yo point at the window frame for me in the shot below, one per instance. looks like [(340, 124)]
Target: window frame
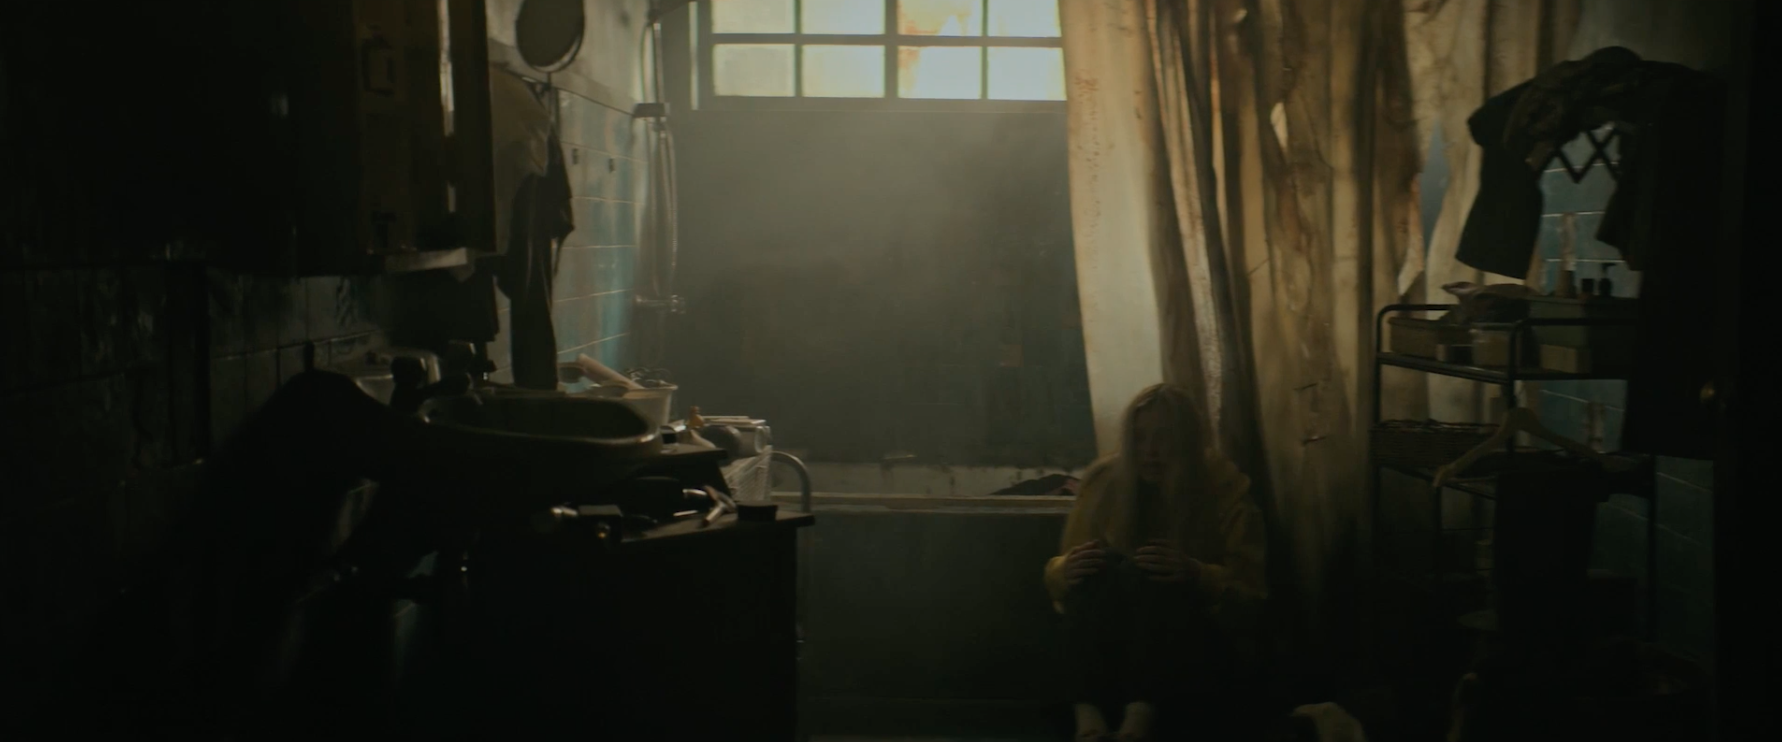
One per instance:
[(707, 99)]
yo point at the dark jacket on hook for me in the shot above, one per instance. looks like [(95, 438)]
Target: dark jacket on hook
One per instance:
[(1664, 216)]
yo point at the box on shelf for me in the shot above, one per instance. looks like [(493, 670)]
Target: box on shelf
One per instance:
[(1421, 337), (1491, 348), (1553, 307)]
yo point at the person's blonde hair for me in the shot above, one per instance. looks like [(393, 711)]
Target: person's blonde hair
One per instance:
[(1184, 470)]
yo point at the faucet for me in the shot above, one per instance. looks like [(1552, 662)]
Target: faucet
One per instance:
[(412, 389)]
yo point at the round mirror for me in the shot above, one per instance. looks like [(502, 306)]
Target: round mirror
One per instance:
[(548, 33)]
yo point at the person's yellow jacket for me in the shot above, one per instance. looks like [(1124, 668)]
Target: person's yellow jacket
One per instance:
[(1221, 528)]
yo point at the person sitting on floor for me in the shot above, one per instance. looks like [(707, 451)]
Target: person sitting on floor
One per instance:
[(1161, 570)]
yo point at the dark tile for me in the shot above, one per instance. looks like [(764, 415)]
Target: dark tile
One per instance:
[(18, 346), (1685, 563), (55, 311), (154, 503), (1619, 544), (261, 378), (349, 347), (1685, 508), (324, 298), (228, 321), (228, 397), (153, 442), (290, 363), (1686, 624)]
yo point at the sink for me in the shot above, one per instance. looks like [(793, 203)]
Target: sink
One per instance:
[(606, 423)]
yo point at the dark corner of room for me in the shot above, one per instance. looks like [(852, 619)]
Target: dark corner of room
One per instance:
[(884, 370)]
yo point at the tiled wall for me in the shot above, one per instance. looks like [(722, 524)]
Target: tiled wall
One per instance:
[(604, 154), (108, 331), (1586, 410)]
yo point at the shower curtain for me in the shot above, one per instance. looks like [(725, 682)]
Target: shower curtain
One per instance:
[(1244, 186)]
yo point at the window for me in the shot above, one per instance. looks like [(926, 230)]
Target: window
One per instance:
[(889, 53)]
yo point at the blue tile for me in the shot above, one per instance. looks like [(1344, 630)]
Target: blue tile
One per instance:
[(579, 235), (578, 273), (1549, 240), (621, 131), (1563, 415), (1624, 282), (624, 182), (614, 352), (1587, 247), (1614, 418), (1684, 563), (607, 229), (1685, 509), (591, 122), (624, 269), (615, 314), (572, 122), (1549, 279), (1697, 472), (1562, 196), (1686, 626), (624, 223), (1619, 542)]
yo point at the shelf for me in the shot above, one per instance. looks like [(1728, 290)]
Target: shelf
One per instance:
[(1489, 375), (1486, 489), (1634, 481)]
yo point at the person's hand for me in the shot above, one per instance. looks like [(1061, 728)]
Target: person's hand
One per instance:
[(1083, 561), (1162, 561)]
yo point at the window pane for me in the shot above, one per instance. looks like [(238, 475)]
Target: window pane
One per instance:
[(1026, 73), (948, 72), (752, 16), (844, 71), (752, 69), (1025, 18), (940, 17), (844, 16)]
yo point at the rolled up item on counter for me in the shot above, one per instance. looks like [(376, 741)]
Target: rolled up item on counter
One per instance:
[(603, 376)]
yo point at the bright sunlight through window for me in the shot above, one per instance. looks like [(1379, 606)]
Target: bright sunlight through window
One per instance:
[(935, 50)]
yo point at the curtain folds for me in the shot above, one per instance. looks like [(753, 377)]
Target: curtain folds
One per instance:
[(1244, 178)]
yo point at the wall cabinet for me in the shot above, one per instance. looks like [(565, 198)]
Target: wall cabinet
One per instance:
[(361, 133)]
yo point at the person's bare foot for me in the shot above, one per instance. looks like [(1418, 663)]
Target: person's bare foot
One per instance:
[(1136, 727), (1091, 727)]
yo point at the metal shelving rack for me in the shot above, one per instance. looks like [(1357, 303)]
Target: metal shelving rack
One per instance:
[(1506, 378)]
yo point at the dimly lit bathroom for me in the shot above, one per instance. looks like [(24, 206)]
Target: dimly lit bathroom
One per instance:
[(885, 370)]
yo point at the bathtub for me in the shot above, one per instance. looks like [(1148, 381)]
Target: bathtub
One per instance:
[(922, 602)]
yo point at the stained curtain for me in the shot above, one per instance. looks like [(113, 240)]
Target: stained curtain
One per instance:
[(1245, 198)]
